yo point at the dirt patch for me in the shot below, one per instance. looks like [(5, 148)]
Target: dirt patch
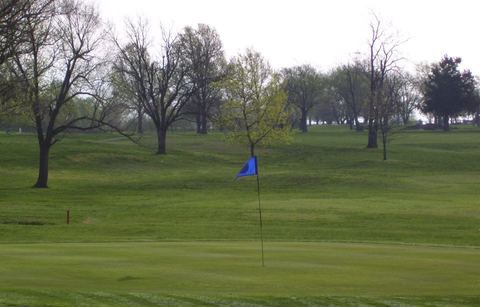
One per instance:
[(89, 221)]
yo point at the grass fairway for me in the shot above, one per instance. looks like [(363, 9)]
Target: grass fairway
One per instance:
[(341, 225)]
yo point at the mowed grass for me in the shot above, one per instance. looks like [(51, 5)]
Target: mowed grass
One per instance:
[(222, 273), (341, 225), (324, 186)]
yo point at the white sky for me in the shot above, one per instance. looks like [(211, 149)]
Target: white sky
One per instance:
[(321, 33)]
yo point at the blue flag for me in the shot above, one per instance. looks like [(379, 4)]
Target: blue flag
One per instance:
[(249, 169)]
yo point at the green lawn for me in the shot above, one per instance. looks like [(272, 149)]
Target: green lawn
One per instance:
[(341, 225), (230, 272)]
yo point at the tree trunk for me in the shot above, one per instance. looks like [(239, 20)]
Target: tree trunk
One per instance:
[(162, 141), (438, 121), (252, 150), (372, 117), (372, 134), (355, 118), (303, 121), (204, 123), (357, 123), (446, 123), (199, 123), (477, 117), (338, 120), (350, 122), (42, 180), (140, 121), (384, 143)]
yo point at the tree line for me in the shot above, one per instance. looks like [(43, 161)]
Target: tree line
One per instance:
[(62, 69)]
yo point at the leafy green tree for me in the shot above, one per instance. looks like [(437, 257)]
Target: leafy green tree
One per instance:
[(448, 92), (255, 110)]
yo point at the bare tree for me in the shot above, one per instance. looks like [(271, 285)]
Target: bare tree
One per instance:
[(13, 21), (388, 105), (126, 86), (60, 70), (202, 51), (409, 96), (382, 60), (15, 15), (161, 87)]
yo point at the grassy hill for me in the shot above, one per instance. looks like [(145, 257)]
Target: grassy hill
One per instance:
[(341, 225)]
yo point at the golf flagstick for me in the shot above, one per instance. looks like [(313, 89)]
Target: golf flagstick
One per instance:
[(250, 168), (260, 215)]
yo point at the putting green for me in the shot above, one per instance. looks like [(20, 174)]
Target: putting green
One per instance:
[(233, 268)]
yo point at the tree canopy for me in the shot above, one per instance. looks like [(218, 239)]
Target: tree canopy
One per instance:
[(448, 91), (255, 110), (304, 86)]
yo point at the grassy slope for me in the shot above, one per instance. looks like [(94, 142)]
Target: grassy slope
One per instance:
[(323, 187)]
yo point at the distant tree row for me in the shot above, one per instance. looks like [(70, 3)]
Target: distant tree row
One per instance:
[(62, 70), (379, 91)]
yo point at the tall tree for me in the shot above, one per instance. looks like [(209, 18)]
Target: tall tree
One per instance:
[(388, 105), (448, 92), (61, 66), (304, 86), (9, 90), (14, 18), (13, 22), (202, 51), (161, 85), (255, 111), (126, 89), (382, 60), (477, 113), (350, 82), (409, 96)]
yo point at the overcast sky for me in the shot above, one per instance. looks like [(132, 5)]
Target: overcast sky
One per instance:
[(321, 33)]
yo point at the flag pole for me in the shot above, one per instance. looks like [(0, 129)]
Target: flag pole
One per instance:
[(251, 169), (260, 215)]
